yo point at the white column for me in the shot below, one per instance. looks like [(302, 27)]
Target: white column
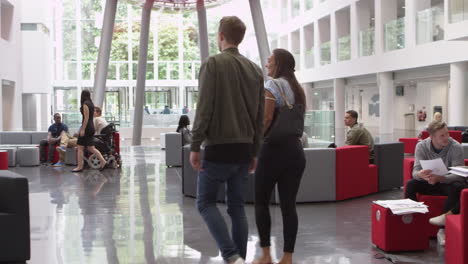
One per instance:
[(354, 31), (410, 23), (302, 50), (104, 52), (339, 97), (317, 43), (333, 38), (202, 30), (457, 94), (386, 90), (385, 11), (141, 73), (181, 60), (260, 33)]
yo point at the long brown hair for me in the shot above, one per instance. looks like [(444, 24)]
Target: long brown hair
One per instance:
[(285, 65)]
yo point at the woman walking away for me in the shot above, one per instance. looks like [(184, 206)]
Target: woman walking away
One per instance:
[(282, 161), (86, 133)]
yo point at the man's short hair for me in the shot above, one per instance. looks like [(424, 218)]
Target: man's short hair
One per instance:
[(435, 126), (233, 29), (98, 110), (353, 114), (57, 114)]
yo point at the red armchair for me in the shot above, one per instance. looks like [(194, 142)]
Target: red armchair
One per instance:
[(410, 144), (456, 234), (354, 175)]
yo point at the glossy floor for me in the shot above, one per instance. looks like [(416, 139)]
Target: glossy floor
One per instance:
[(138, 215)]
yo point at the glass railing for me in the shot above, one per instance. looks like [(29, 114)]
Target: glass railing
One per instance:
[(309, 4), (309, 58), (344, 48), (120, 70), (366, 42), (325, 53), (320, 128), (458, 11), (394, 34), (295, 8), (430, 25)]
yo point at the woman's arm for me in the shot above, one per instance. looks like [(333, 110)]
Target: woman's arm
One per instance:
[(270, 103), (85, 119)]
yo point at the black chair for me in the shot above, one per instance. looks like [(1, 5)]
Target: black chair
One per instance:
[(389, 160), (14, 218)]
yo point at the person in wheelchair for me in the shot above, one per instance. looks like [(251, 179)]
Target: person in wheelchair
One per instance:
[(104, 142)]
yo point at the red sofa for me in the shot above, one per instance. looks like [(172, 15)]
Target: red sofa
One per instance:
[(354, 175), (456, 234), (457, 135), (410, 143)]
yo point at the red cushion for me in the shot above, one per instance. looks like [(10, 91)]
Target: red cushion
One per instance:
[(424, 134), (398, 233), (436, 208), (56, 156), (354, 176), (466, 162), (117, 142), (3, 160), (408, 164), (456, 135), (409, 144)]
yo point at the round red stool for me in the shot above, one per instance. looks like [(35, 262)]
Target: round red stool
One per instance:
[(3, 160)]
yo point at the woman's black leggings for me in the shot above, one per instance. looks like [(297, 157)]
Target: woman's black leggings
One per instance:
[(281, 164)]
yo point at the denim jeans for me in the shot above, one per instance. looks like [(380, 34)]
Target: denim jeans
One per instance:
[(234, 176)]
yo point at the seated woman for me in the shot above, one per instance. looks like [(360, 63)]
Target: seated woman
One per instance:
[(184, 122)]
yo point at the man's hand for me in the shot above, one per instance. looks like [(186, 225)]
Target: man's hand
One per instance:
[(195, 160), (81, 133), (433, 179), (425, 174), (253, 165), (52, 141)]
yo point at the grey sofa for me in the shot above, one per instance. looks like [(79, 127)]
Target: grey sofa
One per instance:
[(173, 149), (14, 218), (465, 150), (389, 160), (318, 181), (22, 137)]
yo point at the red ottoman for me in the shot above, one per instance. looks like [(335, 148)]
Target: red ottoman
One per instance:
[(398, 232), (436, 207), (3, 160)]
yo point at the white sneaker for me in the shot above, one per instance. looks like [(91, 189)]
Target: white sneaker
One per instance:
[(239, 261), (438, 220), (441, 237)]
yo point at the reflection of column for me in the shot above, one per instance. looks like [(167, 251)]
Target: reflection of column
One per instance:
[(202, 30), (385, 84), (457, 94), (141, 73), (260, 33), (104, 52), (339, 90)]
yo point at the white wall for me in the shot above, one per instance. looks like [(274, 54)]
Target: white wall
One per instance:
[(10, 65), (430, 94), (353, 102)]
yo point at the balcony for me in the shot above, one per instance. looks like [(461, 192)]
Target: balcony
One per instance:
[(394, 34), (325, 53), (430, 25), (344, 48), (366, 42)]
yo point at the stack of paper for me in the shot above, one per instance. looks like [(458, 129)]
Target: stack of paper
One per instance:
[(460, 170), (403, 206)]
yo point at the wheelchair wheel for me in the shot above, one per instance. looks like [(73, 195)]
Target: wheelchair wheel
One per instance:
[(94, 162)]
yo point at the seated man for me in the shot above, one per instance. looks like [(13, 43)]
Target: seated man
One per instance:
[(53, 138), (438, 145), (99, 121), (358, 134)]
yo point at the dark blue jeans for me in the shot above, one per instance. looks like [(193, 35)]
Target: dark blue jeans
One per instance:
[(234, 177)]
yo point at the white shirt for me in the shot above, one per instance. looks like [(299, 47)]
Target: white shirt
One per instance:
[(99, 124)]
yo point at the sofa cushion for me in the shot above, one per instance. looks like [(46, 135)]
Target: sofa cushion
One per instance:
[(15, 137)]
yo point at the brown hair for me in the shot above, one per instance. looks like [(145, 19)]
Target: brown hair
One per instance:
[(435, 126), (233, 29), (98, 110), (285, 64), (353, 114)]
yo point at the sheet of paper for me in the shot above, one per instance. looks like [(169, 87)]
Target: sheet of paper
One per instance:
[(437, 166)]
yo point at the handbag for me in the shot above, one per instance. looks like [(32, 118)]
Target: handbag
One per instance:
[(288, 121)]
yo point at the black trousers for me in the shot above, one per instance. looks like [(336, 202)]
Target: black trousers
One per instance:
[(42, 146), (451, 190), (283, 165)]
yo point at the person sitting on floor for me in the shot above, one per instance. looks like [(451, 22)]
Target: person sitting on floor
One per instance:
[(358, 134), (438, 145)]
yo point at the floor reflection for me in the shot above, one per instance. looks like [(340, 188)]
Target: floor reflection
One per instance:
[(137, 214)]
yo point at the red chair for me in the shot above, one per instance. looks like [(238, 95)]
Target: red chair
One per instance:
[(456, 135), (3, 160), (456, 234), (354, 175), (56, 157), (117, 142), (410, 144), (408, 164)]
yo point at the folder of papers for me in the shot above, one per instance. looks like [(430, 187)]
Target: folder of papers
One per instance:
[(403, 206), (459, 170)]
